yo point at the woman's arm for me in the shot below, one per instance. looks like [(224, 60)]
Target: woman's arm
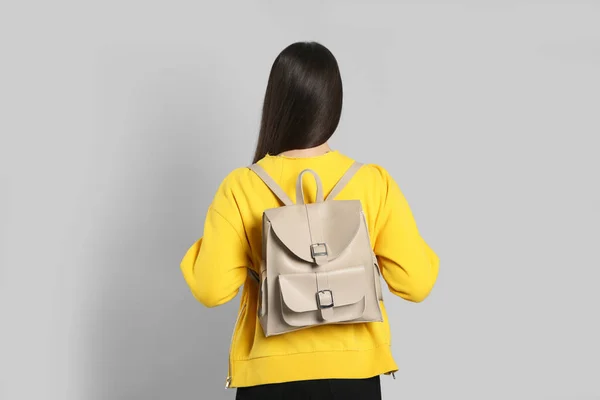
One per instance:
[(408, 264), (215, 267)]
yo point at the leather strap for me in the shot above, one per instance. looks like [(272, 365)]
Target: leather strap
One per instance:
[(319, 249), (275, 188), (325, 297), (341, 184), (378, 278), (300, 191)]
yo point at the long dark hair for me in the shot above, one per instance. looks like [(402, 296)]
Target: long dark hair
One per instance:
[(303, 100)]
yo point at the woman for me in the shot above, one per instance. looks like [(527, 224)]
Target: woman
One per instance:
[(302, 108)]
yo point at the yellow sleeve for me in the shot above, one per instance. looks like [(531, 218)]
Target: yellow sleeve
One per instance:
[(408, 265), (215, 267)]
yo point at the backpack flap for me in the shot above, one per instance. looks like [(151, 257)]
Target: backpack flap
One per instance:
[(331, 296), (316, 233)]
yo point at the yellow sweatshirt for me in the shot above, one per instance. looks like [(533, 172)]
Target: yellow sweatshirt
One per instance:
[(215, 268)]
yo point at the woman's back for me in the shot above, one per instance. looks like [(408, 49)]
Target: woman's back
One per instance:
[(217, 267)]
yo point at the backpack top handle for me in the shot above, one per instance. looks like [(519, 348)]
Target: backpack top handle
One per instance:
[(300, 190)]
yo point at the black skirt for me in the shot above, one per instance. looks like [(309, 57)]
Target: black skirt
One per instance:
[(323, 389)]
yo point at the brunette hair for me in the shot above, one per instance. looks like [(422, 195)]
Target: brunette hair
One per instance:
[(303, 100)]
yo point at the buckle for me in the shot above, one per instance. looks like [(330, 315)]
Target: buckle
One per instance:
[(318, 249), (323, 306)]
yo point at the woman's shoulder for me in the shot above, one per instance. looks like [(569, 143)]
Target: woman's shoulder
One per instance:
[(236, 179), (376, 170), (375, 173)]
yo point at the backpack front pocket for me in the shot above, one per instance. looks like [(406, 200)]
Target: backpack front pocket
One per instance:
[(323, 297)]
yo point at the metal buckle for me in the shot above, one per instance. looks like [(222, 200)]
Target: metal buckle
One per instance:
[(316, 252), (323, 306)]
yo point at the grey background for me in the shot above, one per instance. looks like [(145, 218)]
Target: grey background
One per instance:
[(119, 119)]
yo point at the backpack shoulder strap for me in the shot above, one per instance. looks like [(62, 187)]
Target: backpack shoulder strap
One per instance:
[(275, 188), (341, 184)]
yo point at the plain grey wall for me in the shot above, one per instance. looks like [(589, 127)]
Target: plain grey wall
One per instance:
[(119, 119)]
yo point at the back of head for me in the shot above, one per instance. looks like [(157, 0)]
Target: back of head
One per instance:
[(303, 100)]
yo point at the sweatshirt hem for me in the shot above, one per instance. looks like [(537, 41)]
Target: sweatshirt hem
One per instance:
[(309, 366)]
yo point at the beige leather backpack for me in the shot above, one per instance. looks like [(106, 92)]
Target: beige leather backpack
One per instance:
[(317, 266)]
